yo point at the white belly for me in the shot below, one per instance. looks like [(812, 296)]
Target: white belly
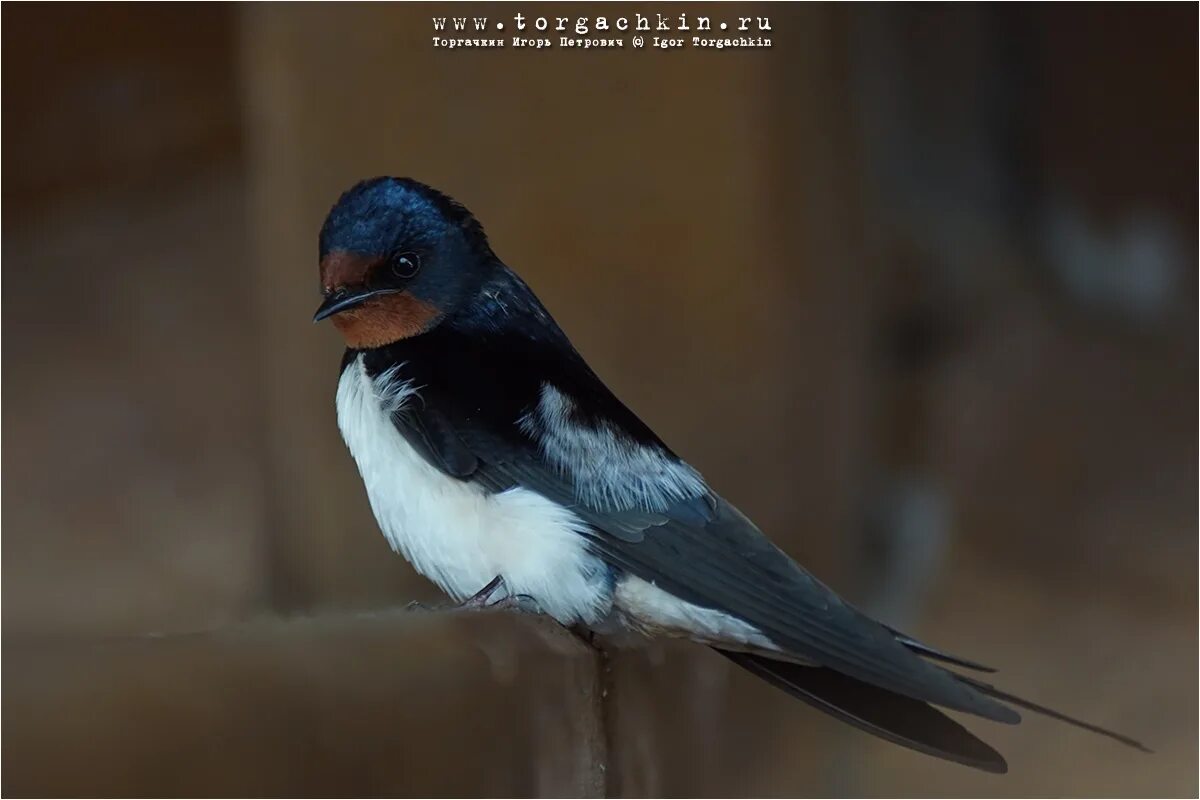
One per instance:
[(461, 537), (453, 532)]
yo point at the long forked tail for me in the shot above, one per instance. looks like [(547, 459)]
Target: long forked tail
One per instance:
[(922, 649), (897, 718), (907, 722), (992, 691)]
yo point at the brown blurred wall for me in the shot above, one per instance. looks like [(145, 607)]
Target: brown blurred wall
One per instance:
[(712, 232)]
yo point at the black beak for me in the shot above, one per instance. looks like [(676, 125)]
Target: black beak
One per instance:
[(339, 301)]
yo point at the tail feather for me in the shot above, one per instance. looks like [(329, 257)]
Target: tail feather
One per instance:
[(899, 719), (920, 648), (993, 692)]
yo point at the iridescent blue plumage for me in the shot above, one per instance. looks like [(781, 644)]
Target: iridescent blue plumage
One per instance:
[(383, 215)]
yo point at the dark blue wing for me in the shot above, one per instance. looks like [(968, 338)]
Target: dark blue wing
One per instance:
[(698, 548)]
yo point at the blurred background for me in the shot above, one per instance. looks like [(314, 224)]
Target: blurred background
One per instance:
[(915, 288)]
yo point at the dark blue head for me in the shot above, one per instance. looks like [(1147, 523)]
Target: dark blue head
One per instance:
[(396, 257)]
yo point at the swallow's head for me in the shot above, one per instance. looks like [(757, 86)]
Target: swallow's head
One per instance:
[(396, 258)]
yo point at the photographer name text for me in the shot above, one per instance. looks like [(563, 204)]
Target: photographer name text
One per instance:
[(655, 31)]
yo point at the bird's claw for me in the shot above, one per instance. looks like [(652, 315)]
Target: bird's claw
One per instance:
[(482, 601), (521, 603), (482, 598)]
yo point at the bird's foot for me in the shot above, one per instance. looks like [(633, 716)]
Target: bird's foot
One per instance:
[(521, 603), (477, 602), (482, 599)]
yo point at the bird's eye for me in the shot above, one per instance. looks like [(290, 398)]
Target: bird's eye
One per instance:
[(406, 265)]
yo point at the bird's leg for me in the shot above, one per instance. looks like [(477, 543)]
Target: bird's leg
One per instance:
[(476, 602), (480, 599), (522, 603), (510, 602)]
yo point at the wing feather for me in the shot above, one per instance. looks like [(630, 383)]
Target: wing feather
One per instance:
[(709, 554)]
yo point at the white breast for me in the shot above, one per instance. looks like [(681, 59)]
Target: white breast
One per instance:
[(460, 537), (453, 532)]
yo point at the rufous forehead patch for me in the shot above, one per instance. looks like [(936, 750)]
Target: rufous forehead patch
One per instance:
[(341, 268)]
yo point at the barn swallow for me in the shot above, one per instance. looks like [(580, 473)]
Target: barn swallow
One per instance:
[(498, 463)]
